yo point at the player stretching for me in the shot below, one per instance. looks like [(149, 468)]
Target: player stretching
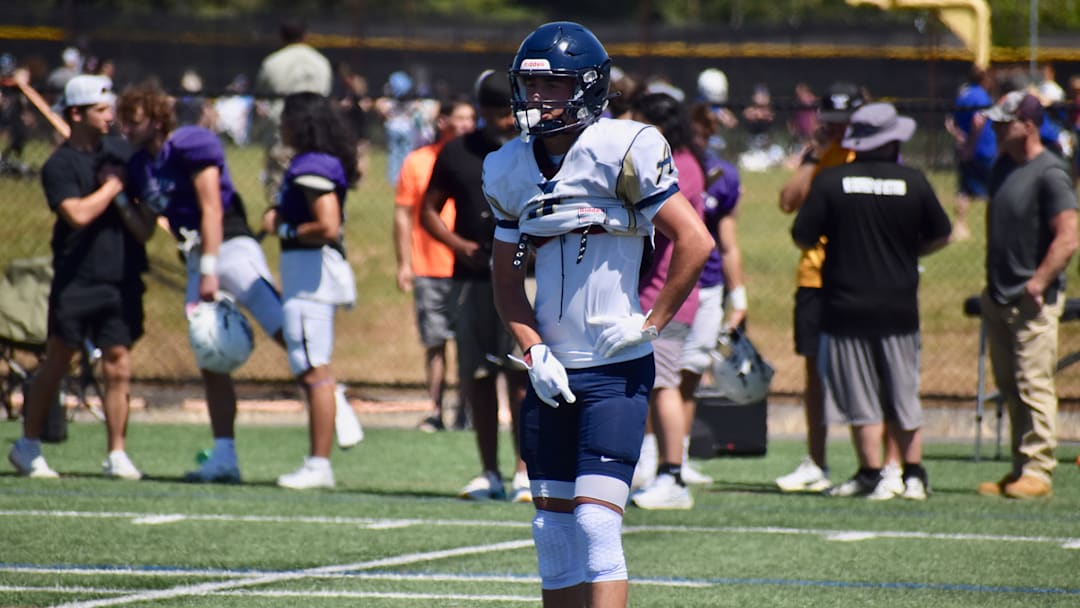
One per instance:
[(585, 193), (181, 174)]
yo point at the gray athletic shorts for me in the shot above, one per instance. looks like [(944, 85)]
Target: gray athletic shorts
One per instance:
[(435, 302), (667, 352), (872, 380)]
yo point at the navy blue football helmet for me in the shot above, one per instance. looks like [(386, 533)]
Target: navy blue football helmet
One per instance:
[(562, 49)]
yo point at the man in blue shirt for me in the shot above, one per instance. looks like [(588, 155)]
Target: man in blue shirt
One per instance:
[(975, 146)]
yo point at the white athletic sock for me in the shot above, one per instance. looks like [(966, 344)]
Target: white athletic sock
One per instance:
[(318, 462)]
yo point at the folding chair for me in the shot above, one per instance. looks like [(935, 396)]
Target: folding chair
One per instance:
[(24, 297), (973, 308)]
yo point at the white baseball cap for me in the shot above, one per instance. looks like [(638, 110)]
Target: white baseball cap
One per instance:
[(87, 90)]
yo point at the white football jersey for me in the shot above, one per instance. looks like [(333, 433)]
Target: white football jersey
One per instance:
[(615, 178)]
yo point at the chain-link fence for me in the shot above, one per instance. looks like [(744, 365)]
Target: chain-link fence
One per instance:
[(377, 342)]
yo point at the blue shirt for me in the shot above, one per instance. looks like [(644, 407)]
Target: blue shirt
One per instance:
[(971, 99)]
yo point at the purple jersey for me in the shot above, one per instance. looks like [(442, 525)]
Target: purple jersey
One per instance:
[(721, 197), (167, 178), (292, 202)]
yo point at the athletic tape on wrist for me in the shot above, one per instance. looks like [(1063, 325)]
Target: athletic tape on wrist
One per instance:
[(738, 298), (207, 264)]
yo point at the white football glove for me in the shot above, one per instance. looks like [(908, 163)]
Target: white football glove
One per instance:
[(547, 375), (620, 332)]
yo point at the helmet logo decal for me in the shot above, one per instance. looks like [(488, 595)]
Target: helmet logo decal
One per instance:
[(535, 64)]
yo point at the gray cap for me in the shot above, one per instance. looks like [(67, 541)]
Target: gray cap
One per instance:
[(875, 125)]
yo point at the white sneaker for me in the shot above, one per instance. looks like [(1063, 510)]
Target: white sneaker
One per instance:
[(519, 488), (486, 486), (346, 424), (308, 476), (693, 477), (852, 487), (858, 486), (28, 461), (216, 469), (893, 478), (915, 489), (648, 459), (807, 477), (117, 465), (882, 491), (664, 493)]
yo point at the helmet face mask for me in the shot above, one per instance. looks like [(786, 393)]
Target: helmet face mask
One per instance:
[(553, 52), (738, 370)]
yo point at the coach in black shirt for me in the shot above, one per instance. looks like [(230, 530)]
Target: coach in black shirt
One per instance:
[(97, 289), (878, 217), (481, 338)]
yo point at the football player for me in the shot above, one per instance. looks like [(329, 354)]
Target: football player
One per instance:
[(585, 193), (180, 173), (315, 277)]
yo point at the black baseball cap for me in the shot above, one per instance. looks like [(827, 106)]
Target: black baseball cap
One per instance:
[(842, 99), (493, 90)]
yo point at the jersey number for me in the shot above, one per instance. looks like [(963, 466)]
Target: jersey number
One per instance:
[(664, 162)]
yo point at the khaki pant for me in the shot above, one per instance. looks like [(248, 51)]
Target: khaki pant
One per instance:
[(1023, 352)]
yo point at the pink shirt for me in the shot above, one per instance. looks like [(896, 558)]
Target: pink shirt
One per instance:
[(692, 186)]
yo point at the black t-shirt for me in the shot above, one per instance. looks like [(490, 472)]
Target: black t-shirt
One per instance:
[(103, 250), (458, 172), (876, 215)]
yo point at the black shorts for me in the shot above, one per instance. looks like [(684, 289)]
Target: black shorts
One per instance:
[(974, 178), (808, 310), (109, 314)]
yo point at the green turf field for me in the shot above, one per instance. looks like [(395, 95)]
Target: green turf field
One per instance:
[(392, 534), (377, 341)]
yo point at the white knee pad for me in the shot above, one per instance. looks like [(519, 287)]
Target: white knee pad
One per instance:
[(601, 528), (558, 550)]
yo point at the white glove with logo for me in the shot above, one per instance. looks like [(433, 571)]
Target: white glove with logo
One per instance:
[(621, 332), (547, 375)]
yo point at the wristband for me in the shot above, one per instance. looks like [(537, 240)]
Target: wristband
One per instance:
[(737, 297), (207, 264), (286, 232)]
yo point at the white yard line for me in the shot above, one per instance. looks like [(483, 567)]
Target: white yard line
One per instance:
[(367, 576), (852, 535), (532, 599), (379, 524), (207, 588), (363, 522)]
